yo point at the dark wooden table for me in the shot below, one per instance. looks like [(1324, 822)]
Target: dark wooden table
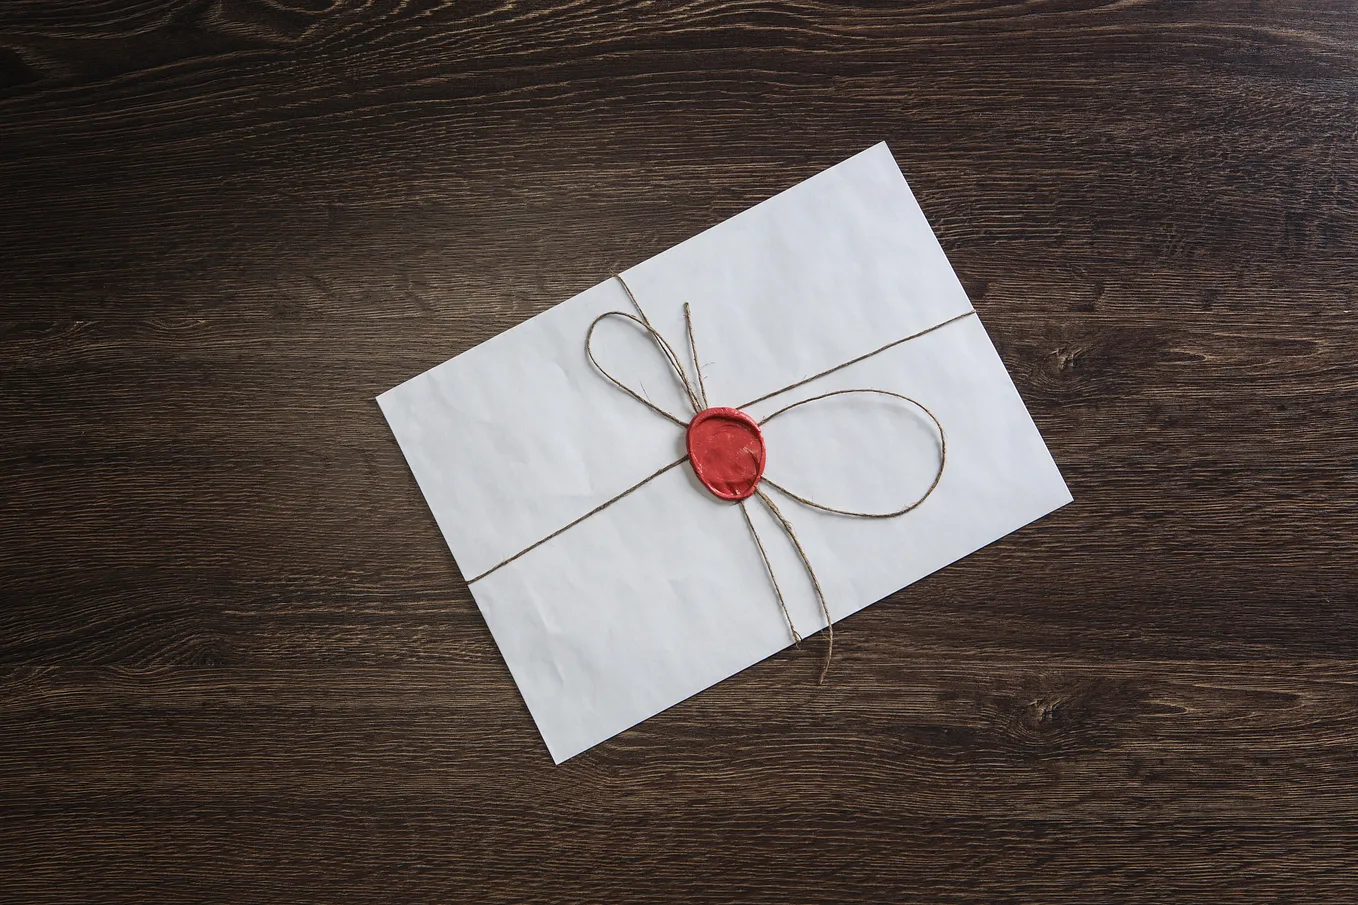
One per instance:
[(237, 663)]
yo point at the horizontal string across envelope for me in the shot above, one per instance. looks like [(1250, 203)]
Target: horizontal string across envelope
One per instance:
[(721, 433)]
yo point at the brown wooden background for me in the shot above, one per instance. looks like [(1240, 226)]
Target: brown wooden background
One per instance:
[(237, 663)]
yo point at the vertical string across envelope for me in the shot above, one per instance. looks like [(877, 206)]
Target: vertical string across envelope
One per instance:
[(721, 449)]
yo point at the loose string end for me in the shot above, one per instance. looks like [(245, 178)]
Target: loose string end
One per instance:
[(768, 567), (693, 349), (810, 572)]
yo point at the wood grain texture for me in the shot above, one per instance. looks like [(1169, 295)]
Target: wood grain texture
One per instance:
[(237, 663)]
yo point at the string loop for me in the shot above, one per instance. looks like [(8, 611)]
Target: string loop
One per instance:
[(938, 475)]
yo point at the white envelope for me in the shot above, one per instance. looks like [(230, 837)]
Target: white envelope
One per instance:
[(662, 592)]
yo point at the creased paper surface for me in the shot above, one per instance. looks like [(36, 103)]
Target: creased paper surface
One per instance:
[(663, 593)]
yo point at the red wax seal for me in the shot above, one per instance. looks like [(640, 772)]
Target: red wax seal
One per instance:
[(726, 449)]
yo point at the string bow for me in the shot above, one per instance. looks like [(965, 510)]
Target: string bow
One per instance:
[(749, 478)]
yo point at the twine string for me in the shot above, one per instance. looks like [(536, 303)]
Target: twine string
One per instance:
[(853, 361), (815, 583), (698, 404), (773, 578), (696, 393), (938, 475), (664, 348), (595, 511), (693, 347)]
